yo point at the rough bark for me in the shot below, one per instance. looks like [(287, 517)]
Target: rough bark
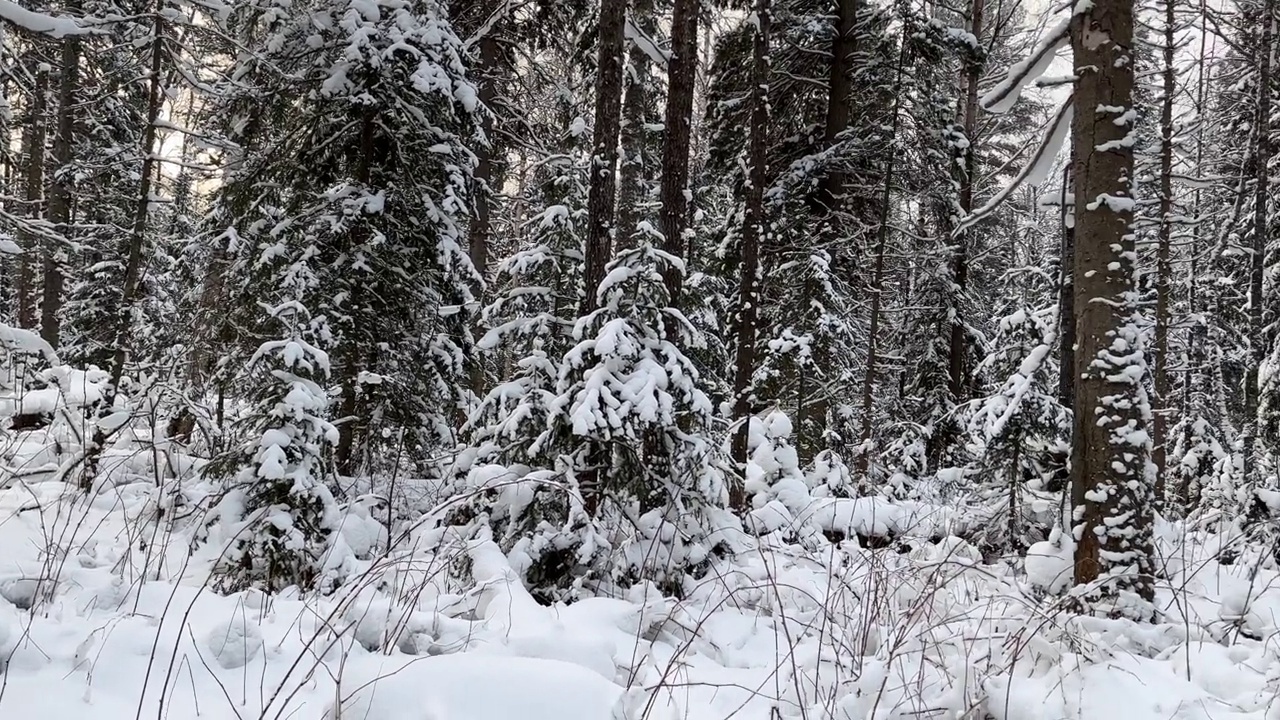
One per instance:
[(1258, 347), (60, 192), (1110, 485), (633, 170), (604, 155), (1164, 266), (601, 197), (682, 72), (487, 63), (753, 226), (346, 454), (813, 399), (33, 142), (839, 99), (957, 366)]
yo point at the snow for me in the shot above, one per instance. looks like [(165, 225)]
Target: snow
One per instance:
[(1050, 564), (462, 686), (440, 626), (38, 22), (235, 642), (646, 44), (1037, 169), (1004, 96)]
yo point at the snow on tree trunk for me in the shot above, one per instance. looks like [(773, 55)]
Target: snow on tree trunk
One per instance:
[(1111, 472)]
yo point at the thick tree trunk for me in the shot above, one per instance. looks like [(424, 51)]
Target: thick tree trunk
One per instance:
[(634, 166), (1194, 379), (487, 174), (1164, 266), (957, 366), (839, 103), (601, 197), (1258, 347), (682, 72), (1111, 488), (813, 398), (604, 154), (352, 429), (33, 141), (488, 64), (60, 192), (753, 227)]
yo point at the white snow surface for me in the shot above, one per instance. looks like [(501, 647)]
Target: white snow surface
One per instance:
[(39, 22), (105, 614)]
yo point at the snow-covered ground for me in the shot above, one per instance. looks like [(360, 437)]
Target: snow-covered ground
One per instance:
[(106, 615)]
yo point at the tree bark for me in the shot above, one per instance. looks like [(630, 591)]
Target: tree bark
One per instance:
[(1164, 267), (132, 289), (633, 171), (839, 101), (604, 160), (482, 225), (33, 141), (1066, 298), (957, 367), (877, 281), (753, 227), (1111, 488), (682, 72), (60, 190), (601, 199), (1258, 347)]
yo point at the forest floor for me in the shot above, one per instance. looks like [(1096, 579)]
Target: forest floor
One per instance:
[(105, 614)]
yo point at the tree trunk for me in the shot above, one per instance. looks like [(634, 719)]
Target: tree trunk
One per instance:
[(839, 102), (601, 197), (33, 141), (346, 454), (1066, 298), (633, 170), (1160, 415), (488, 62), (753, 226), (132, 290), (813, 399), (877, 283), (604, 155), (1111, 488), (958, 370), (1258, 347), (60, 190), (682, 72), (1194, 378), (487, 173)]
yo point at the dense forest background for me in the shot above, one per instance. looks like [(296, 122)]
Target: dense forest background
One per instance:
[(623, 283)]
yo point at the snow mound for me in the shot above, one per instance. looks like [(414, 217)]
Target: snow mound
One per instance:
[(235, 642), (1050, 563), (479, 687)]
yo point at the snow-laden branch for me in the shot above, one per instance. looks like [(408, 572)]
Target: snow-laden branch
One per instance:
[(1004, 96), (38, 22), (646, 44), (1037, 169)]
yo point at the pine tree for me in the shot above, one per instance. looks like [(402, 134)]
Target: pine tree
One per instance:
[(284, 469), (363, 156)]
